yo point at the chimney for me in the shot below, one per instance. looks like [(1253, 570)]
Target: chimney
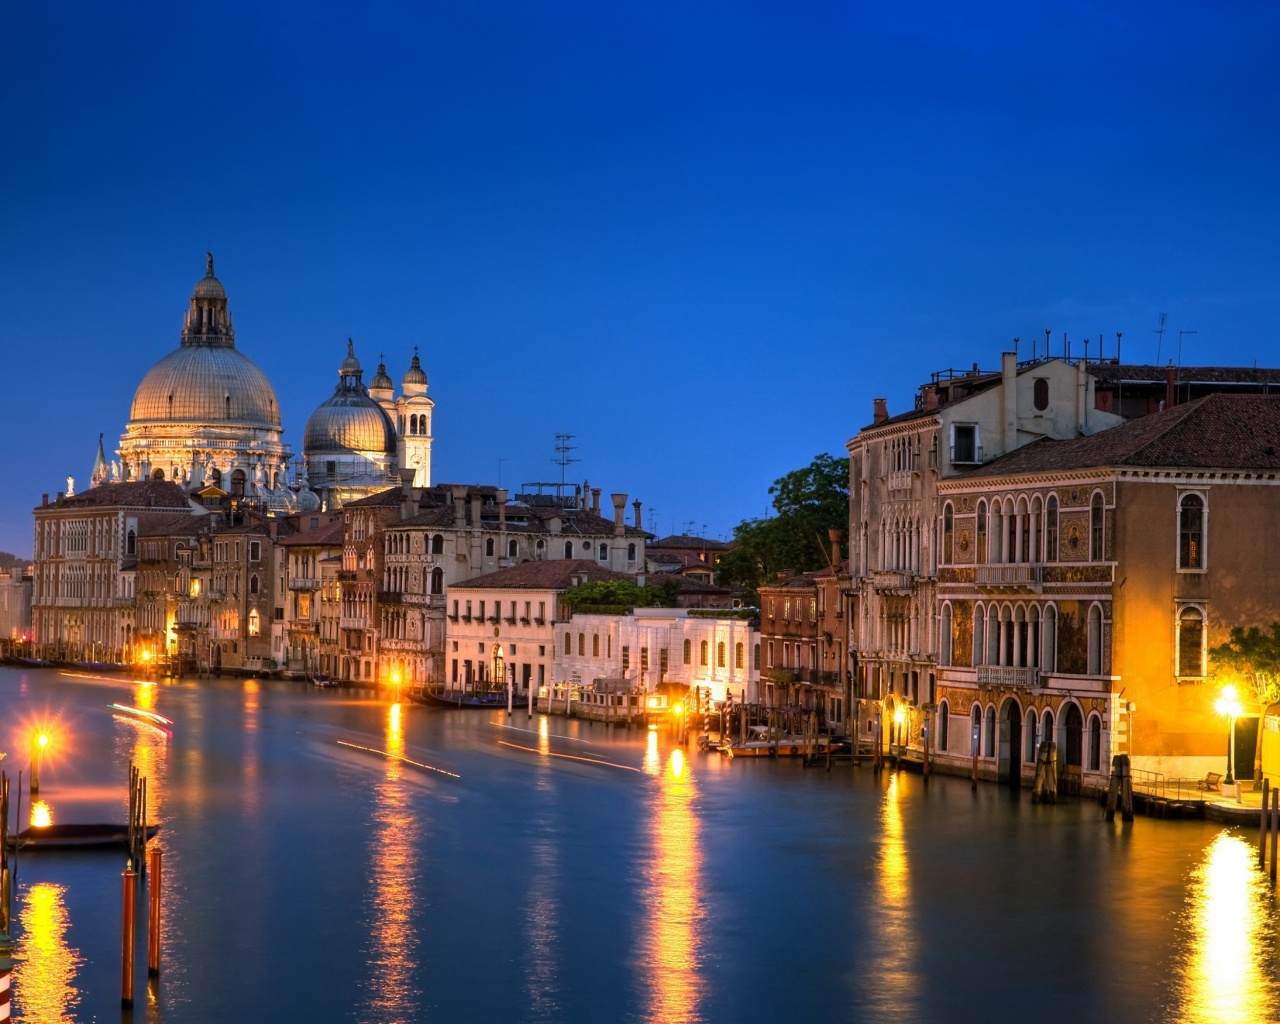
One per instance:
[(406, 493), (1170, 391), (44, 500), (619, 506), (635, 507), (273, 527), (459, 495), (595, 500), (1009, 400), (500, 495), (879, 410), (475, 497), (930, 398)]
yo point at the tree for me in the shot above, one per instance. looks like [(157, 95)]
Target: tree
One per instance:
[(808, 502), (1254, 655), (619, 596)]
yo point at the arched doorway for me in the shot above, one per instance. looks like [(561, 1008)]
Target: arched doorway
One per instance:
[(887, 727), (1009, 765), (1072, 752)]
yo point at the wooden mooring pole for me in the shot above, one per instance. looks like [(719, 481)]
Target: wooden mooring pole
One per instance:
[(1275, 828), (126, 940), (153, 915), (1262, 823)]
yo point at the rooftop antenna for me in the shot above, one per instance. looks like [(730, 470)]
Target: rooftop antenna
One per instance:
[(1117, 348), (1180, 334), (1086, 350), (1159, 332), (653, 521), (1015, 350), (1047, 332), (562, 458)]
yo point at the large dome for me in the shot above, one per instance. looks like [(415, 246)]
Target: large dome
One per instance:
[(202, 384), (349, 422)]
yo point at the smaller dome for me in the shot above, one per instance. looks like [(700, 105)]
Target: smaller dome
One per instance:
[(351, 365), (308, 501), (209, 287), (415, 374), (381, 382), (349, 423)]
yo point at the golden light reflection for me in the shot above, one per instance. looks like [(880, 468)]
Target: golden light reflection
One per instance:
[(544, 734), (674, 910), (1221, 981), (891, 980), (542, 905), (45, 965), (393, 950), (41, 814)]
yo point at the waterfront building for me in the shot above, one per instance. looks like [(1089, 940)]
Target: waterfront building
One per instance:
[(694, 557), (15, 604), (86, 560), (804, 641), (959, 420), (716, 653), (1082, 583), (301, 558)]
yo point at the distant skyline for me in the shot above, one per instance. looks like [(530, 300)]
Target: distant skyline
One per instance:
[(698, 238)]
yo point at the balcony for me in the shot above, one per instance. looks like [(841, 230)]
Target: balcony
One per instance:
[(892, 582), (1008, 675), (966, 454), (353, 622), (389, 597), (303, 583), (900, 480), (1009, 575)]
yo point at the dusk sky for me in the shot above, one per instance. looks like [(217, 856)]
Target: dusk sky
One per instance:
[(699, 237)]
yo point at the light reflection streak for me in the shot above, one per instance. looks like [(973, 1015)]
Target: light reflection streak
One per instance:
[(45, 964), (392, 995), (674, 910), (889, 974), (1230, 938), (542, 906)]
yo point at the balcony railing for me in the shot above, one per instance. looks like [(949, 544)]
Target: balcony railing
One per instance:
[(303, 583), (1008, 575), (966, 454), (1008, 675), (353, 622), (889, 581), (900, 480)]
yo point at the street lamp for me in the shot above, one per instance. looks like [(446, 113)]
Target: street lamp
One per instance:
[(1229, 705), (38, 744)]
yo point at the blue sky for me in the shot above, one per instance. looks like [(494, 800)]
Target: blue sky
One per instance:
[(699, 237)]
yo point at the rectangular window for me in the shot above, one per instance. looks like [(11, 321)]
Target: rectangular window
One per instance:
[(964, 444), (662, 660), (644, 659), (770, 654), (542, 609), (786, 655), (481, 609), (626, 657)]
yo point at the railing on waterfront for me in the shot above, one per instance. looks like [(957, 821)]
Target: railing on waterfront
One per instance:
[(1154, 784)]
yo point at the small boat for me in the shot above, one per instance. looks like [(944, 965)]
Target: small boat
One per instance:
[(75, 836), (460, 698), (34, 662), (760, 743), (324, 682)]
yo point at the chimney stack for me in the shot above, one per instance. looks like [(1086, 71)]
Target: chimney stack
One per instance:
[(595, 500), (880, 410), (1009, 400), (459, 495), (930, 398), (475, 497), (500, 495), (619, 506), (635, 507), (1170, 389)]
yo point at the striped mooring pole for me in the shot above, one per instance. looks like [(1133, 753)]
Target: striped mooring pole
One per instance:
[(6, 970)]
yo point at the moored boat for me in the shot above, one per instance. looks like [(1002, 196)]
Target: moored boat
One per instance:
[(760, 742), (75, 836), (460, 698)]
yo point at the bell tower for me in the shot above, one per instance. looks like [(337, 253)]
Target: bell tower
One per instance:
[(413, 423)]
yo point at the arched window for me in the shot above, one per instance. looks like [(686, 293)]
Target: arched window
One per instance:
[(595, 645), (976, 735), (1029, 754), (582, 645), (1095, 744), (1094, 640), (981, 530), (604, 552), (1190, 642), (1051, 529), (513, 548), (631, 552), (944, 636), (215, 477), (1046, 729), (1049, 651), (989, 748), (255, 622), (568, 549), (488, 547), (703, 653), (437, 544), (944, 725), (568, 643), (130, 543), (237, 483), (720, 662), (437, 580), (413, 424), (688, 652), (979, 635), (737, 656), (1191, 532), (158, 475), (947, 531), (1095, 529), (1040, 393)]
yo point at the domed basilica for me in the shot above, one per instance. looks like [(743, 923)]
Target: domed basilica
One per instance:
[(205, 416)]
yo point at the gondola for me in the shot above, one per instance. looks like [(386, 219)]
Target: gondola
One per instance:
[(75, 836), (460, 698)]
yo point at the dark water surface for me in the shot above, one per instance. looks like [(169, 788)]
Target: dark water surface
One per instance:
[(308, 880)]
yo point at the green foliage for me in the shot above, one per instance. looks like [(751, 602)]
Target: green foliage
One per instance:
[(808, 503), (619, 595), (1254, 655)]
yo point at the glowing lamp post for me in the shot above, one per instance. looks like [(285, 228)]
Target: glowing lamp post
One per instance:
[(37, 745), (1228, 705)]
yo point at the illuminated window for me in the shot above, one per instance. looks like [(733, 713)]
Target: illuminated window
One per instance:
[(688, 652), (720, 655), (738, 656), (703, 649), (254, 622), (595, 645), (1191, 532)]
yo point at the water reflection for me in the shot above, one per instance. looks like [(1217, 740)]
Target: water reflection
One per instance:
[(672, 900), (392, 995), (1230, 937), (890, 973), (45, 967), (542, 907)]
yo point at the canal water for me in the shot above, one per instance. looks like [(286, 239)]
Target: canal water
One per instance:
[(469, 866)]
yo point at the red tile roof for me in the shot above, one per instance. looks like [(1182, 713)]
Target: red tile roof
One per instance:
[(1215, 432), (134, 493), (553, 574)]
